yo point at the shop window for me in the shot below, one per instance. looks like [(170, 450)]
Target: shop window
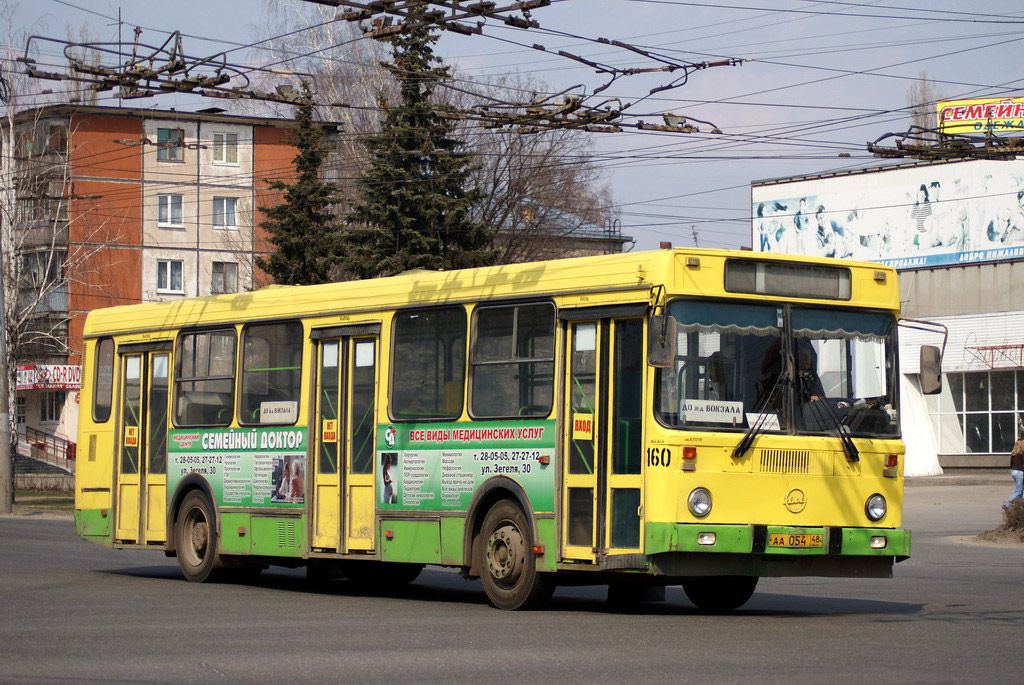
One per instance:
[(978, 412), (53, 405)]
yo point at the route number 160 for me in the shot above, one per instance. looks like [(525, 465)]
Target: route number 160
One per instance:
[(659, 456)]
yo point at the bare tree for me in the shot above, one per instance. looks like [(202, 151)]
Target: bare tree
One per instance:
[(47, 247), (343, 68), (543, 191), (922, 97)]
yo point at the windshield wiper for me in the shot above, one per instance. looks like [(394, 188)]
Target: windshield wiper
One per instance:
[(823, 409), (762, 418)]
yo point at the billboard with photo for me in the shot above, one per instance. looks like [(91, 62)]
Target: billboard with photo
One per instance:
[(905, 217)]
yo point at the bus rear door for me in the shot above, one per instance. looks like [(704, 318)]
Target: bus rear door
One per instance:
[(602, 496), (343, 499), (140, 507)]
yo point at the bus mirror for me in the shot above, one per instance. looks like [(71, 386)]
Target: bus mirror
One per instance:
[(931, 370), (661, 341)]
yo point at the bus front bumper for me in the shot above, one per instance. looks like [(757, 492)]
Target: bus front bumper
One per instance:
[(785, 541)]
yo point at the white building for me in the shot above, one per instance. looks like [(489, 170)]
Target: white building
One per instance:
[(955, 230)]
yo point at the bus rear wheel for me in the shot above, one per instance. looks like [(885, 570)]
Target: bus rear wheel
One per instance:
[(508, 567), (720, 593), (195, 536)]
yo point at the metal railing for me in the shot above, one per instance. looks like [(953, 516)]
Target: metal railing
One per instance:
[(47, 448)]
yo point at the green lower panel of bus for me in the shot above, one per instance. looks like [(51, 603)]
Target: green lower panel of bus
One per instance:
[(781, 540), (433, 541), (277, 537), (93, 524)]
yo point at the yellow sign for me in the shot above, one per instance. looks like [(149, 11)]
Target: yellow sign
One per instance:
[(583, 427), (330, 430), (131, 436), (981, 115)]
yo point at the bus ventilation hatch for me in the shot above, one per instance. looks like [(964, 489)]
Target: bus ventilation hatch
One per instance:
[(286, 536), (816, 463)]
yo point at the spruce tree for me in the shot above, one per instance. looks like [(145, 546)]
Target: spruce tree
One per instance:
[(301, 227), (414, 199)]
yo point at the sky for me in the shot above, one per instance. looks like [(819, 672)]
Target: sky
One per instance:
[(818, 80)]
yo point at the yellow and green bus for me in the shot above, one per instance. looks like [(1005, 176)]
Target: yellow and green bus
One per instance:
[(686, 417)]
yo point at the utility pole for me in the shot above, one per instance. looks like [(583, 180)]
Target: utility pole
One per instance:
[(6, 462), (6, 458)]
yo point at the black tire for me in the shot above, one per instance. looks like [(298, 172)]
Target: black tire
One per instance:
[(720, 593), (195, 537), (505, 558), (380, 576)]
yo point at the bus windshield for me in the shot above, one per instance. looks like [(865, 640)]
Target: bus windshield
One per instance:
[(734, 361)]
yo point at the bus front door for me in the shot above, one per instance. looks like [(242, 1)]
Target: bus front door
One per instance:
[(343, 497), (142, 448), (602, 471)]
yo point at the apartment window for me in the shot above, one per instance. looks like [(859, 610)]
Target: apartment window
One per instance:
[(224, 212), (225, 278), (169, 143), (168, 276), (42, 269), (57, 140), (53, 404), (225, 148), (21, 410), (168, 210)]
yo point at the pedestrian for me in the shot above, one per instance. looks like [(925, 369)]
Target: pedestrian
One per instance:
[(1017, 470)]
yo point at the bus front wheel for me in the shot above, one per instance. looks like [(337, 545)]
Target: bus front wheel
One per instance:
[(720, 593), (508, 567), (196, 538)]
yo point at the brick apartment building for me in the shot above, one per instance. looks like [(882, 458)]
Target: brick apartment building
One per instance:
[(143, 205), (146, 205)]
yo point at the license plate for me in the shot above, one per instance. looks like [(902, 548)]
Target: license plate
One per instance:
[(795, 540)]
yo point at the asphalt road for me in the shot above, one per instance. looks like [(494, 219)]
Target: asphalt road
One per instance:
[(74, 611)]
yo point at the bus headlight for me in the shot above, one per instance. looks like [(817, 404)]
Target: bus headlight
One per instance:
[(875, 507), (699, 502)]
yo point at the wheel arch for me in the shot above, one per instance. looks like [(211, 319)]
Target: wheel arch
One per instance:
[(192, 481), (491, 492)]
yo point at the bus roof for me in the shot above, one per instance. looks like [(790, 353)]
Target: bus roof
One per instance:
[(630, 273)]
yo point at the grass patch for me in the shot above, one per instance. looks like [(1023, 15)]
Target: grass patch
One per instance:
[(37, 500)]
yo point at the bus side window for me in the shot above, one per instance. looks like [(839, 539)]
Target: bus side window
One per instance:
[(271, 373), (204, 382), (513, 361), (429, 364), (103, 380)]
